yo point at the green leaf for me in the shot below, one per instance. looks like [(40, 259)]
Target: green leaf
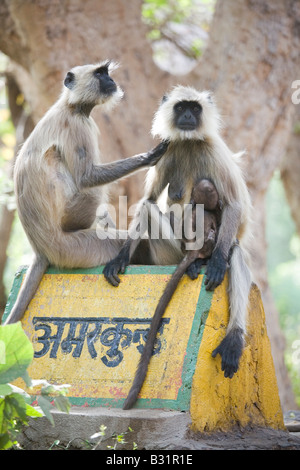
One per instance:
[(18, 406), (20, 391), (18, 352), (27, 379), (5, 389), (2, 420), (62, 404), (48, 389), (33, 412), (5, 442), (46, 407)]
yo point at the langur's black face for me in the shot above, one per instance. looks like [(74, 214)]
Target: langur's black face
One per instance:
[(187, 115), (100, 82), (106, 83)]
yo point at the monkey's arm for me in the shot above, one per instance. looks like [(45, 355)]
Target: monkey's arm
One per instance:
[(217, 264), (137, 229), (95, 175)]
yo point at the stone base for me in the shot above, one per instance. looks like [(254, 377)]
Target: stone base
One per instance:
[(151, 430)]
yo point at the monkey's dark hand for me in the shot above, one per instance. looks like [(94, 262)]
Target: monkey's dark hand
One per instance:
[(230, 349), (154, 155), (216, 269), (115, 266), (194, 269)]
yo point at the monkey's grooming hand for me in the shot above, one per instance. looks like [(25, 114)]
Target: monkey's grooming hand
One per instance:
[(230, 349), (154, 155), (216, 269), (115, 266)]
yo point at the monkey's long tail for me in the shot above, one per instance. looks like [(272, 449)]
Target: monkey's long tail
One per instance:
[(28, 289), (159, 311), (239, 280), (231, 346)]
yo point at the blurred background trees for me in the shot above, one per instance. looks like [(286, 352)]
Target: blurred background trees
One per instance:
[(247, 52)]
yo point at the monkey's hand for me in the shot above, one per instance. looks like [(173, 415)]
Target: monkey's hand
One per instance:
[(115, 266), (194, 269), (216, 269), (230, 349), (154, 155)]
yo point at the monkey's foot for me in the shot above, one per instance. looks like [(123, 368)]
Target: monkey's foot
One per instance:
[(194, 269), (115, 266), (230, 349), (216, 269)]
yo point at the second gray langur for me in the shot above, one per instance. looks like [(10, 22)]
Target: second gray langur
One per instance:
[(190, 121), (60, 181), (204, 192)]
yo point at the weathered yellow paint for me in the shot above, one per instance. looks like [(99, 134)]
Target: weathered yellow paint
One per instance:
[(84, 296), (183, 375), (251, 396)]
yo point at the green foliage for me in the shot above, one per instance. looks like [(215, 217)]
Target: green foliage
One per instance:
[(19, 253), (297, 127), (7, 145), (283, 260), (161, 15), (156, 11), (117, 438), (197, 47), (16, 354), (15, 410), (52, 395)]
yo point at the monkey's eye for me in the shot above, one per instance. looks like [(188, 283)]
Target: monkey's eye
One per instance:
[(197, 109), (101, 71), (179, 108)]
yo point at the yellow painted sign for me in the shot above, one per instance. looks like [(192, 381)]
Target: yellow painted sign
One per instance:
[(90, 335)]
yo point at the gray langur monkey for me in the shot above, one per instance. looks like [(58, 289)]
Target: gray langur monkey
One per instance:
[(59, 180), (190, 121), (205, 193)]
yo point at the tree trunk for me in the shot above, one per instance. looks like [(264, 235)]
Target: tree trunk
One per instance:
[(6, 220), (48, 38), (250, 62), (23, 125)]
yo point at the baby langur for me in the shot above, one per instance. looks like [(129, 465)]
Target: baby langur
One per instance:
[(204, 192), (190, 121), (59, 180)]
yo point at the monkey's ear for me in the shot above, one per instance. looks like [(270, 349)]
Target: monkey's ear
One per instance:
[(69, 80), (210, 98), (164, 99)]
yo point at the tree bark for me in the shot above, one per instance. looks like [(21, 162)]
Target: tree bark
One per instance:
[(23, 125), (250, 62)]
